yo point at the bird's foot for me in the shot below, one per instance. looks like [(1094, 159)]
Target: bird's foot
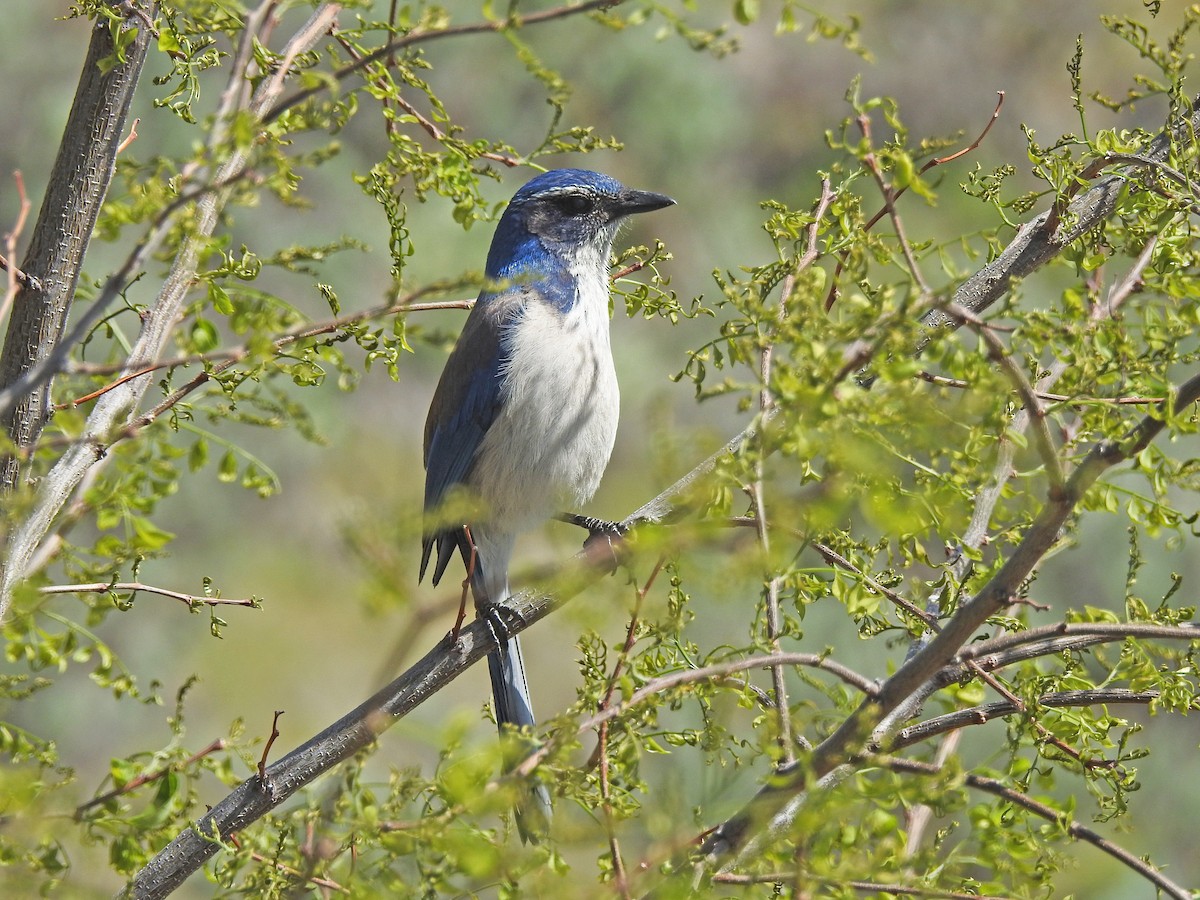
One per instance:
[(499, 620), (605, 544)]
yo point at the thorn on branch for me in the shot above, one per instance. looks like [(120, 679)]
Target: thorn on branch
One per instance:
[(262, 763), (130, 138), (10, 246), (1032, 604)]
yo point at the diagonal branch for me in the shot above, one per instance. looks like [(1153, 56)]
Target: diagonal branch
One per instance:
[(1035, 243)]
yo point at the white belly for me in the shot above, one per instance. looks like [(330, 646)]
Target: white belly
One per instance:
[(548, 447)]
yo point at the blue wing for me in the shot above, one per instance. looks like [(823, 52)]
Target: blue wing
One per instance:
[(464, 407)]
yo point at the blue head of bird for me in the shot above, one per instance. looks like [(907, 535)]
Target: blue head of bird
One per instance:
[(559, 216)]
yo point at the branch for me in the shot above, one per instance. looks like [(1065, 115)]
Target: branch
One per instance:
[(723, 670), (1008, 649), (1035, 244), (232, 356), (1035, 412), (600, 755), (279, 342), (890, 194), (862, 887), (834, 558), (111, 587), (16, 278), (766, 403), (854, 732), (426, 124), (985, 712), (831, 298)]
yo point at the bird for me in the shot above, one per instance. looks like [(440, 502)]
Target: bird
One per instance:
[(524, 417)]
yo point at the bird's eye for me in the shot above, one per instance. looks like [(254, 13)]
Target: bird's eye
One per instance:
[(574, 204)]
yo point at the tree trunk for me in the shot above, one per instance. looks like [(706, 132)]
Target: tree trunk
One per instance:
[(78, 184)]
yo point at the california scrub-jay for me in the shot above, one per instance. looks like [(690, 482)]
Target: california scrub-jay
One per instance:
[(525, 414)]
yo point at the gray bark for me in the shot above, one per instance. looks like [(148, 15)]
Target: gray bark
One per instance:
[(79, 181)]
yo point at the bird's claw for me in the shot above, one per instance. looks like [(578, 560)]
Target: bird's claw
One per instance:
[(499, 620), (605, 543)]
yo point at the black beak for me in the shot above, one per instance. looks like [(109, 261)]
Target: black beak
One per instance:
[(630, 202)]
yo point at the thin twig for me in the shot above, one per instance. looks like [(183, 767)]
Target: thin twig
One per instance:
[(832, 556), (1043, 732), (936, 161), (626, 648), (1073, 399), (134, 783), (716, 672), (232, 357), (1033, 406), (600, 755), (771, 600), (112, 587), (314, 880), (281, 340), (918, 816), (16, 278), (129, 138), (426, 124), (389, 49), (955, 721), (766, 403), (863, 887), (889, 195)]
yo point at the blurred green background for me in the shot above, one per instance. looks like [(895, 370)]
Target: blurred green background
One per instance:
[(719, 135)]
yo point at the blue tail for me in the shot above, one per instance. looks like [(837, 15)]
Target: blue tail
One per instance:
[(510, 689), (514, 710)]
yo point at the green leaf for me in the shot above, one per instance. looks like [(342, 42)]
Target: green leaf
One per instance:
[(228, 469), (219, 298), (198, 456), (204, 336), (746, 11), (149, 536)]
